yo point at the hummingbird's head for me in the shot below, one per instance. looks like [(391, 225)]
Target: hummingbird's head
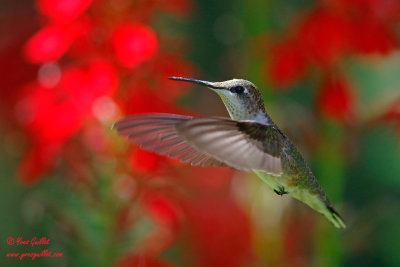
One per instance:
[(241, 98)]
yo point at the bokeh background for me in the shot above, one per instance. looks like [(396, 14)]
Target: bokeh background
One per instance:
[(330, 74)]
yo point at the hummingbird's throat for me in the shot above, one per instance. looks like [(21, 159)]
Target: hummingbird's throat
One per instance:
[(239, 109)]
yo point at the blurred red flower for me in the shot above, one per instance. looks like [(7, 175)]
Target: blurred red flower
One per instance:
[(297, 236), (219, 230), (370, 36), (48, 115), (48, 44), (392, 114), (383, 10), (324, 37), (102, 78), (143, 161), (53, 115), (161, 209), (288, 63), (61, 11), (335, 99), (37, 160), (141, 260), (178, 7), (51, 42), (134, 44), (336, 29), (144, 99)]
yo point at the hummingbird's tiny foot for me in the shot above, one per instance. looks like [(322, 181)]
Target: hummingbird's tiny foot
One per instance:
[(281, 191)]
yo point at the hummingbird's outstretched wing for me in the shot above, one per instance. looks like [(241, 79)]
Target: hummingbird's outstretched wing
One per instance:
[(243, 145)]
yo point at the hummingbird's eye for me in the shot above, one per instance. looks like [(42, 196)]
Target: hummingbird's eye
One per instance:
[(237, 89)]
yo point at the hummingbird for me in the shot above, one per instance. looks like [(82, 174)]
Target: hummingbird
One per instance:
[(249, 141)]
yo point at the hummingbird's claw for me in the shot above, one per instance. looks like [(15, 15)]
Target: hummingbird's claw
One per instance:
[(281, 191)]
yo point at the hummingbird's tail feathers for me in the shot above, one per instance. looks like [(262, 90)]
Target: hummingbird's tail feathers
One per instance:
[(319, 203), (337, 220)]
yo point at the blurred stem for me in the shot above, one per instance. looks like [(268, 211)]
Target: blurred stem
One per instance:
[(204, 40), (329, 169)]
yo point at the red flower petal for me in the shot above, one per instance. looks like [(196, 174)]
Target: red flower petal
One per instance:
[(143, 161), (161, 209), (62, 11), (287, 63), (36, 161), (84, 85), (134, 44), (144, 99), (372, 37), (335, 100), (220, 231), (392, 114), (102, 78), (48, 44), (141, 260), (325, 36), (52, 118), (179, 7)]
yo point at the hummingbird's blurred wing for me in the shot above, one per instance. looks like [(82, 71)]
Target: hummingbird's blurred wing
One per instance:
[(243, 145)]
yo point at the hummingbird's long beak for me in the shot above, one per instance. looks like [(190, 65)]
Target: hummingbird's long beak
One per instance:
[(206, 83)]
